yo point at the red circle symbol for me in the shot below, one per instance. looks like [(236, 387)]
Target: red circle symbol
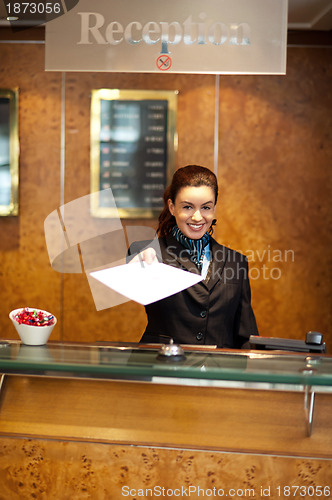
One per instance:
[(164, 62)]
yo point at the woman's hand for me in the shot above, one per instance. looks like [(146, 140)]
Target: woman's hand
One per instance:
[(148, 255)]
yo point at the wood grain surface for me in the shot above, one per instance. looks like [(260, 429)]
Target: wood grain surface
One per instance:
[(235, 420)]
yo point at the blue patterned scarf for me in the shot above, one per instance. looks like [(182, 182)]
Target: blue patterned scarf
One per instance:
[(196, 248)]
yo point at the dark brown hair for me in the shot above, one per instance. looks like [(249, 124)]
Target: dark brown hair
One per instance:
[(191, 175)]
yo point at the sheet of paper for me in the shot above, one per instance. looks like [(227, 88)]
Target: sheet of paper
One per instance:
[(146, 283)]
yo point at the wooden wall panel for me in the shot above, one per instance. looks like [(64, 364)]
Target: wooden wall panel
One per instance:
[(26, 278), (275, 154), (275, 174)]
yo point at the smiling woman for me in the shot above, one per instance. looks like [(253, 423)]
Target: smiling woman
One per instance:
[(217, 310)]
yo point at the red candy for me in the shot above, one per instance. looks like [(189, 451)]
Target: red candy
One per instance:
[(34, 317)]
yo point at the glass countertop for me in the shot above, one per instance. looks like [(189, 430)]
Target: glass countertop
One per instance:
[(139, 362)]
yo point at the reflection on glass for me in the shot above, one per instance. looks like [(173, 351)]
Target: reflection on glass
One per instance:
[(133, 147), (199, 367), (9, 152)]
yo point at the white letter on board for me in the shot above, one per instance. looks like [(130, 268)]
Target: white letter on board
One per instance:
[(112, 29), (218, 33), (149, 29), (86, 28), (165, 35), (239, 34), (129, 32), (188, 36)]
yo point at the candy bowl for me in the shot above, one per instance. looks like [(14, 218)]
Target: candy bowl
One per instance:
[(34, 326)]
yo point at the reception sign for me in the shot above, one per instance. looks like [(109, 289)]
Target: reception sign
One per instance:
[(187, 36)]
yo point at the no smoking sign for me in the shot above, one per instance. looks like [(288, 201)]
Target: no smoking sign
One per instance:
[(164, 62)]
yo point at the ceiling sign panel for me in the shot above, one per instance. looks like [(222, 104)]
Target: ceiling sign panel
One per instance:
[(154, 36)]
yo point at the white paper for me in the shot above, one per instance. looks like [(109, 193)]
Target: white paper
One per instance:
[(146, 283)]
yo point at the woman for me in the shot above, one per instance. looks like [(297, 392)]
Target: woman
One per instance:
[(216, 311)]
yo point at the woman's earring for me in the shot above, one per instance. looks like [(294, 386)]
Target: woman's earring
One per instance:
[(213, 223)]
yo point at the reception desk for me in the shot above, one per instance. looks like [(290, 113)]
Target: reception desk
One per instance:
[(116, 421)]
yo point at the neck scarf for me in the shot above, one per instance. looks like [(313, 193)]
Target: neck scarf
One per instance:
[(196, 248)]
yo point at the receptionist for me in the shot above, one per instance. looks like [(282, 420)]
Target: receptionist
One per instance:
[(216, 311)]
